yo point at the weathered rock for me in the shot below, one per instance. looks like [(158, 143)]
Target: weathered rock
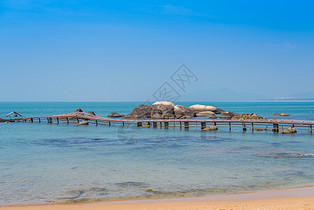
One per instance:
[(281, 114), (78, 110), (259, 129), (284, 114), (91, 113), (218, 111), (227, 115), (182, 112), (115, 115), (245, 116), (206, 113), (84, 122), (199, 115), (211, 128), (167, 103), (212, 116), (200, 108), (289, 131), (141, 111), (162, 112)]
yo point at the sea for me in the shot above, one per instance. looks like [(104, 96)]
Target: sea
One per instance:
[(60, 163)]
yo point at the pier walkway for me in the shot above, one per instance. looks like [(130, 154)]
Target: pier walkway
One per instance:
[(272, 125)]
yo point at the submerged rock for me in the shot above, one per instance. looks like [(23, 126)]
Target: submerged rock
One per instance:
[(211, 128), (84, 122), (141, 111), (282, 114), (115, 115), (289, 131)]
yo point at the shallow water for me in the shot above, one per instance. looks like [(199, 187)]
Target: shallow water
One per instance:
[(49, 162)]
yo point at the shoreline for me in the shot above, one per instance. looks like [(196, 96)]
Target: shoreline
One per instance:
[(278, 197)]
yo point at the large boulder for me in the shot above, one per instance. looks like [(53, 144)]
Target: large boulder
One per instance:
[(141, 111), (182, 112), (204, 113), (115, 115), (167, 103), (200, 108), (160, 111)]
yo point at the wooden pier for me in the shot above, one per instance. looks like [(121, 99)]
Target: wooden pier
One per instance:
[(259, 125)]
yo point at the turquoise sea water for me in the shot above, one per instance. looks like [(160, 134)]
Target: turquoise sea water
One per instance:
[(48, 162)]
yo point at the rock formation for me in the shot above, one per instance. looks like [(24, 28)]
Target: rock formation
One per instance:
[(282, 114), (289, 131), (211, 128), (141, 111), (227, 115), (182, 112), (91, 113), (161, 111), (245, 116), (115, 115)]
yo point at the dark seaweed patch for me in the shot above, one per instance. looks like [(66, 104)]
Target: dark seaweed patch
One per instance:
[(131, 184)]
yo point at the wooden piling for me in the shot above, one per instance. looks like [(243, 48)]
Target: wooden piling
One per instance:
[(186, 125), (57, 120), (229, 126), (203, 125), (39, 120), (243, 126), (96, 122), (67, 120), (139, 124), (154, 124), (310, 128), (166, 124), (275, 128), (252, 127)]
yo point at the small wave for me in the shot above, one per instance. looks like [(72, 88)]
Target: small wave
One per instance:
[(291, 155)]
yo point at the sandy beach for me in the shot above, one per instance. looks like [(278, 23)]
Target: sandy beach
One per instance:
[(297, 198)]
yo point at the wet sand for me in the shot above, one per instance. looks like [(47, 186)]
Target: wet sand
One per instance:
[(297, 198)]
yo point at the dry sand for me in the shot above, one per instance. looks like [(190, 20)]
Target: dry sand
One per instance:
[(298, 198)]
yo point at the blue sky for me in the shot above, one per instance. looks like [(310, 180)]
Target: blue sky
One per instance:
[(88, 50)]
